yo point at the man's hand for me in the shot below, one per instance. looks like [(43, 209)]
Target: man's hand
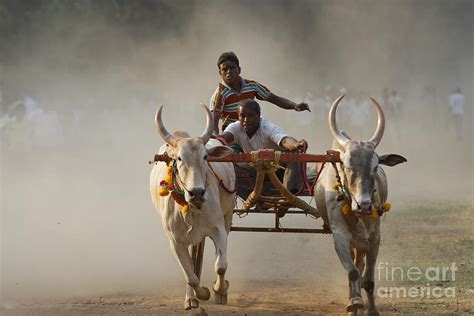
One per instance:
[(291, 144), (301, 145), (303, 106)]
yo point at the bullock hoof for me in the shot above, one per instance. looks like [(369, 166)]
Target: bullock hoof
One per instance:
[(203, 293), (220, 299), (224, 288), (191, 303), (354, 304), (372, 313)]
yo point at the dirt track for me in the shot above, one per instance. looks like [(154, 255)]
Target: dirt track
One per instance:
[(308, 289)]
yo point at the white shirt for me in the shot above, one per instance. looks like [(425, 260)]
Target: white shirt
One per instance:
[(456, 102), (268, 136)]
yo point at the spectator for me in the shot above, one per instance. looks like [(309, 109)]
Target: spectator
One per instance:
[(456, 105)]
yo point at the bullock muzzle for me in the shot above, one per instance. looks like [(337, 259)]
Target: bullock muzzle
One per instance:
[(196, 196), (364, 207)]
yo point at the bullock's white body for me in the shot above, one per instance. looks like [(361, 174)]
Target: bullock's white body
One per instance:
[(356, 238), (356, 242), (210, 205)]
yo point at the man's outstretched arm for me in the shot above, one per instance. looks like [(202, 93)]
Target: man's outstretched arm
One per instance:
[(288, 104)]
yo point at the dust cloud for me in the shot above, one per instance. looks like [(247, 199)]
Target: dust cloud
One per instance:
[(77, 218)]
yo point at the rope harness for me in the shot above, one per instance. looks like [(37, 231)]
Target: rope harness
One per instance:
[(346, 196), (220, 181), (173, 185), (266, 162)]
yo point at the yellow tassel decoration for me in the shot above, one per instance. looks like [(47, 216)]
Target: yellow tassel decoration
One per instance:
[(346, 208), (374, 215), (336, 186), (163, 192), (386, 207), (165, 184), (185, 208)]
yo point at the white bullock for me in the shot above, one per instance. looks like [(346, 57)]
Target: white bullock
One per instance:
[(351, 196), (197, 206)]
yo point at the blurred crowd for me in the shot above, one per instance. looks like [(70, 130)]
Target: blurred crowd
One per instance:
[(27, 124), (358, 114)]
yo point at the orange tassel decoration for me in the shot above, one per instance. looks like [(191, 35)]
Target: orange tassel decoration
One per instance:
[(166, 184)]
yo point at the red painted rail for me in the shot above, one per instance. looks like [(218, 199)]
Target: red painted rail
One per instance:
[(268, 154)]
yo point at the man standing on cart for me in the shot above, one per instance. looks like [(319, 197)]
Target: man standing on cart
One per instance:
[(253, 132), (234, 88)]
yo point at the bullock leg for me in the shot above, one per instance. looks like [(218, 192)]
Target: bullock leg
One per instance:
[(197, 253), (221, 285), (190, 300), (369, 283), (181, 252), (197, 256), (342, 238), (360, 263)]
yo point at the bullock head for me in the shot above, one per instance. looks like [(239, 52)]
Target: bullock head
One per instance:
[(359, 159), (189, 155)]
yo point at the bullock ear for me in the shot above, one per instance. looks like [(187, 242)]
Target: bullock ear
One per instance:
[(219, 151), (391, 160)]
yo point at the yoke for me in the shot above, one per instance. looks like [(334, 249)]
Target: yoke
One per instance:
[(265, 162)]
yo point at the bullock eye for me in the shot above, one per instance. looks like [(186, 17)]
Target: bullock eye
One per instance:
[(205, 157), (179, 158)]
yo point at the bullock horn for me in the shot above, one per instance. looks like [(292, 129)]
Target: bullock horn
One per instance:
[(209, 125), (380, 124), (338, 136), (167, 137)]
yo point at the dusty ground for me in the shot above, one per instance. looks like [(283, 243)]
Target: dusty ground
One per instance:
[(422, 236)]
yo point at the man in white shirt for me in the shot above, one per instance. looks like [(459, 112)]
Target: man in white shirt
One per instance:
[(456, 105), (252, 132)]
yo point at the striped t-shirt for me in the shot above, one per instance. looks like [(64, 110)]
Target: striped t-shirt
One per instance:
[(226, 99)]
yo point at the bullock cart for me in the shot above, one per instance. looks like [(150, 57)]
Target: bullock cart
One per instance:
[(353, 206), (278, 201)]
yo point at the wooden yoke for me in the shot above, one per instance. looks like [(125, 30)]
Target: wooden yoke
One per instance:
[(265, 154), (265, 162)]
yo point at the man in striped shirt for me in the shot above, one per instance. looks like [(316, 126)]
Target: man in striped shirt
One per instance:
[(233, 89)]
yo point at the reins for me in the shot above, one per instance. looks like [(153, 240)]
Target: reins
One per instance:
[(220, 181)]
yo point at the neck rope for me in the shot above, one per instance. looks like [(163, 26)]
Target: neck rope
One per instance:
[(345, 197), (173, 185)]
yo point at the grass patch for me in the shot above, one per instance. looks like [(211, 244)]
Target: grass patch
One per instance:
[(429, 237)]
